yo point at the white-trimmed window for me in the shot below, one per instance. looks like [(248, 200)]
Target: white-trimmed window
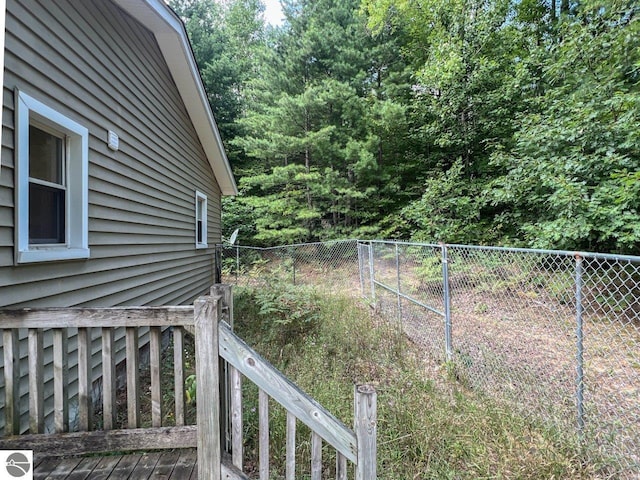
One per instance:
[(52, 159), (201, 220)]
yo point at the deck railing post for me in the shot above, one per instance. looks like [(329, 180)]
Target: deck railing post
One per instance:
[(108, 379), (225, 292), (178, 375), (36, 381), (85, 405), (60, 380), (207, 311), (11, 350), (236, 417), (133, 377), (263, 434), (365, 412)]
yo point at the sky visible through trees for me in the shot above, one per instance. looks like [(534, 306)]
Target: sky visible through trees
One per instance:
[(466, 121), (273, 13)]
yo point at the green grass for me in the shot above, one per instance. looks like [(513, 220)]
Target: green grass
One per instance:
[(429, 427)]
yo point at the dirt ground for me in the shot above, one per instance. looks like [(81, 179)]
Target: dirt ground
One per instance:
[(524, 353)]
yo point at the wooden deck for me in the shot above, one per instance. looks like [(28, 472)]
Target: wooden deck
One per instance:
[(169, 465), (82, 451)]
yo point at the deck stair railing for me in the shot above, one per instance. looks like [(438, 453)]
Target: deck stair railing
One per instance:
[(72, 330), (357, 446)]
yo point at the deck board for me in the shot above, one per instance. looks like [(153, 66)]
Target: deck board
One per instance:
[(44, 467), (185, 466), (169, 465), (64, 469), (84, 469), (145, 466), (164, 467), (104, 467), (124, 467)]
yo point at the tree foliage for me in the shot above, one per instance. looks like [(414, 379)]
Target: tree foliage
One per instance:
[(570, 176), (540, 104), (474, 121)]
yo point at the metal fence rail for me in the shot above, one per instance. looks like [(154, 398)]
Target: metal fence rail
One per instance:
[(553, 334)]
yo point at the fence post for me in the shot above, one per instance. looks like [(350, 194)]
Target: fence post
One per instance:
[(371, 273), (398, 284), (207, 313), (447, 302), (579, 347), (361, 266), (237, 262), (365, 412), (217, 264)]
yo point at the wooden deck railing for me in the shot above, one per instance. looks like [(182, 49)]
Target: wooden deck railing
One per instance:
[(214, 339), (357, 446)]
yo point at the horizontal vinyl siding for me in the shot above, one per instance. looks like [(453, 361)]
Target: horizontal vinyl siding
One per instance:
[(101, 68), (96, 65)]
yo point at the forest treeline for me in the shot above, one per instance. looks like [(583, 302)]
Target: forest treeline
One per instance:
[(505, 122)]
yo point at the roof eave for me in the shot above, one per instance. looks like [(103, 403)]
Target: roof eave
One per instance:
[(174, 43)]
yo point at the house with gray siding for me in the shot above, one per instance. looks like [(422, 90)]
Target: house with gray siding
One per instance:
[(112, 167)]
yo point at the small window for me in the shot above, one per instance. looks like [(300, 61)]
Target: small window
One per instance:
[(47, 187), (52, 184), (201, 220)]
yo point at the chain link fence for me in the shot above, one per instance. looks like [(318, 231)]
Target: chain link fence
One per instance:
[(329, 265), (554, 335)]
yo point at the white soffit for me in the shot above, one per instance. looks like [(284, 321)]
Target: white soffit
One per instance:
[(174, 44)]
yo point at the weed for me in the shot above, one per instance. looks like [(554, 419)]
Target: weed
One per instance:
[(190, 385), (283, 314), (481, 308), (428, 427)]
